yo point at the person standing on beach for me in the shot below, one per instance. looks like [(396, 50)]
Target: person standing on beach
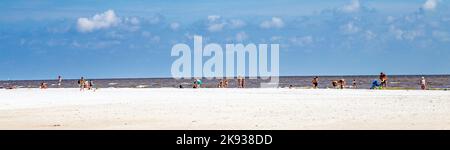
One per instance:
[(91, 84), (241, 82), (383, 78), (423, 83), (59, 81), (220, 85), (315, 82), (341, 83), (225, 83), (354, 85), (81, 83)]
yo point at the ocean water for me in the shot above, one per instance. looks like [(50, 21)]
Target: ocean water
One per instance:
[(363, 82)]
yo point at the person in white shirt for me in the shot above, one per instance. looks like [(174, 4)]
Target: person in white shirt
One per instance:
[(423, 83)]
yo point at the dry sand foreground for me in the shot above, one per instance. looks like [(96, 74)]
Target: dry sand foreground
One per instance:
[(170, 108)]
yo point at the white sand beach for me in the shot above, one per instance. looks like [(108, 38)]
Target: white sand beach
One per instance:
[(170, 108)]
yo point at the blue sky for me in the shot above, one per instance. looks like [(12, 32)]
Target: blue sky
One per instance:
[(41, 39)]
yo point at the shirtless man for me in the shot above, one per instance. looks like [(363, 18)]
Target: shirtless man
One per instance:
[(341, 83), (383, 79), (315, 82)]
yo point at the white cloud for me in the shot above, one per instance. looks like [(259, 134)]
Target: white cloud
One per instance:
[(430, 4), (174, 26), (241, 36), (134, 21), (216, 27), (354, 6), (236, 23), (302, 41), (390, 19), (350, 28), (441, 36), (398, 33), (155, 39), (215, 24), (154, 19), (98, 21), (275, 22), (275, 38), (213, 18), (370, 35), (405, 34)]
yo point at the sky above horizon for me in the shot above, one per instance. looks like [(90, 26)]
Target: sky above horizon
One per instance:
[(42, 39)]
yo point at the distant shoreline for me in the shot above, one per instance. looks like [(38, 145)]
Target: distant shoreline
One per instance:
[(288, 76)]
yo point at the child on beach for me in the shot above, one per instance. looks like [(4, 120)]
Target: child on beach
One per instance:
[(354, 84), (315, 82), (423, 83), (81, 83), (375, 84)]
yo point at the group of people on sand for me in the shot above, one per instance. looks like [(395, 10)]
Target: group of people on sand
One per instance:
[(338, 83), (381, 82), (85, 84), (223, 83), (335, 83), (44, 85), (82, 84), (197, 83)]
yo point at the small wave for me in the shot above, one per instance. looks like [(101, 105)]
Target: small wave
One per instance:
[(113, 83), (142, 86)]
